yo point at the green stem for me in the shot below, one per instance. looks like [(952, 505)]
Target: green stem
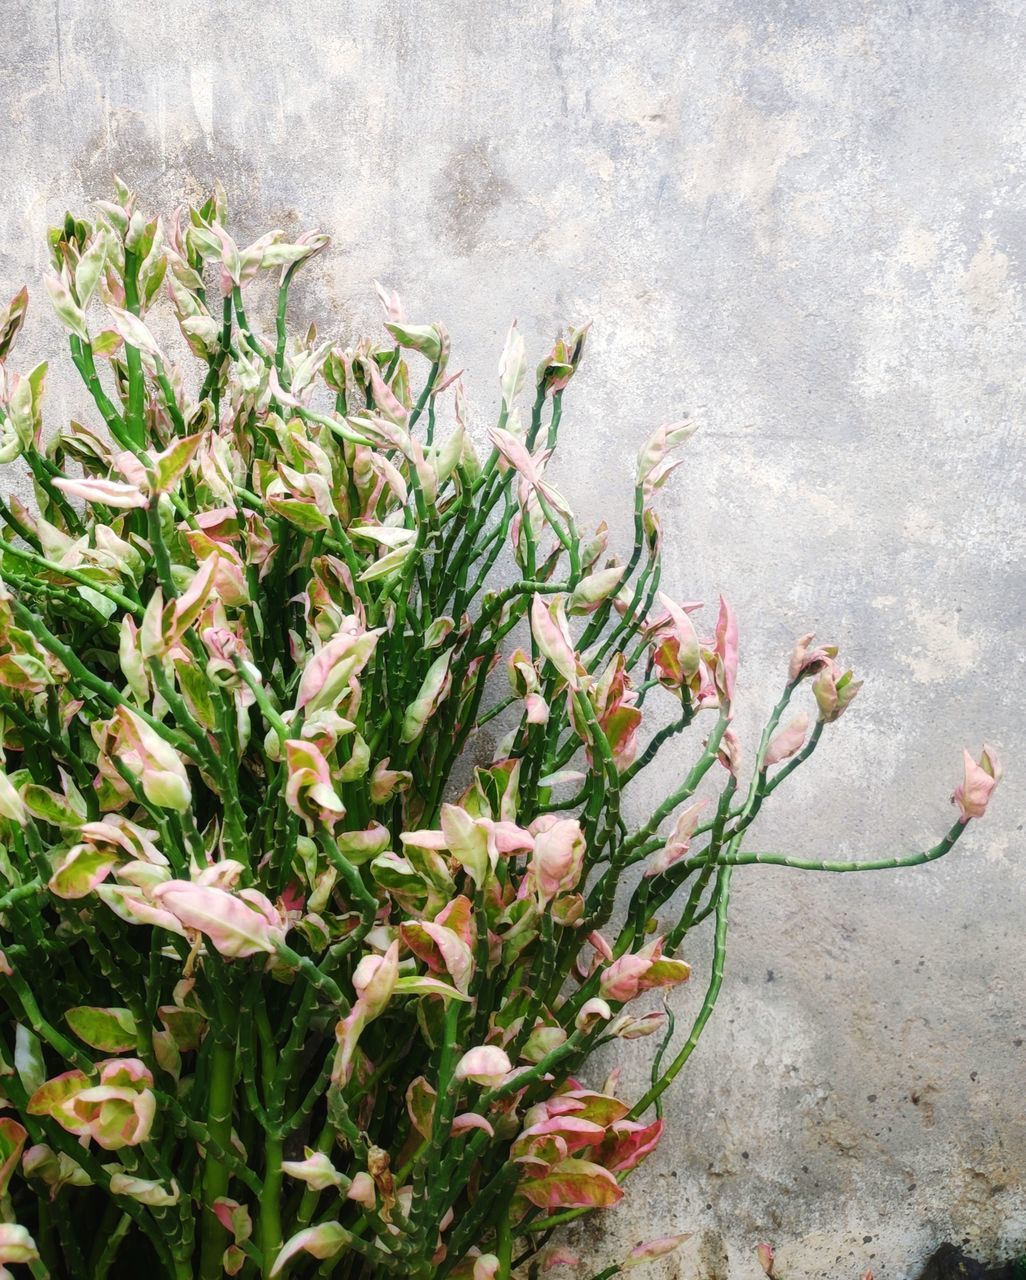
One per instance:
[(134, 425), (161, 558), (270, 1204), (865, 864), (111, 1246), (216, 1176), (73, 575), (705, 1013), (87, 679), (20, 894), (504, 1247)]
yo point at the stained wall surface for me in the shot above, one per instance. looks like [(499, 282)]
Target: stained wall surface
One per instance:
[(806, 223)]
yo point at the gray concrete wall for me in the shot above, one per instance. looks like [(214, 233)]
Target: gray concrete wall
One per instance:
[(807, 221)]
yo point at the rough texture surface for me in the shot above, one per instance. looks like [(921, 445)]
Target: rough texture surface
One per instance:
[(806, 221)]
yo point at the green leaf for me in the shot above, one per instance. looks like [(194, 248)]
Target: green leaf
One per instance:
[(304, 515), (387, 565), (424, 338), (169, 466), (90, 268), (47, 805), (68, 311), (112, 1030), (26, 405), (28, 1058), (415, 985), (432, 692)]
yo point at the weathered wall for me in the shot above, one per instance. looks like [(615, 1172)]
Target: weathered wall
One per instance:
[(807, 221)]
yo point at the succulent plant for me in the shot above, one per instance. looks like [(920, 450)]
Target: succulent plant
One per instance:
[(287, 985)]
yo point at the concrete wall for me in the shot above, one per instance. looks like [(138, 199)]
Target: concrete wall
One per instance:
[(806, 220)]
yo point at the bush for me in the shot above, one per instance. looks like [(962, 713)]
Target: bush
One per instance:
[(280, 993)]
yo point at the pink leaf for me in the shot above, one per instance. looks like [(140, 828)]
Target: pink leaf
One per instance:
[(558, 857), (320, 1242), (628, 1143), (726, 651), (390, 302), (111, 493), (764, 1254), (385, 401), (573, 1184), (316, 1170), (487, 1065), (788, 741), (309, 790), (16, 1245), (973, 793), (575, 1132), (552, 635), (471, 1120), (806, 660), (440, 949), (236, 926), (592, 1011), (658, 1248), (363, 1191), (374, 980), (639, 971)]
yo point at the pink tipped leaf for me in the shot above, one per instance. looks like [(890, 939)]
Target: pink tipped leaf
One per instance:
[(108, 493), (787, 742), (972, 795), (236, 927), (726, 652), (324, 1241), (573, 1184), (486, 1065), (552, 636), (651, 1249)]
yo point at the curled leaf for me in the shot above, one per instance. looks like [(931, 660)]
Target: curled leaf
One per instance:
[(320, 1242)]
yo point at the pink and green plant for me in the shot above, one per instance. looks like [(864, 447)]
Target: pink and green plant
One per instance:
[(299, 975)]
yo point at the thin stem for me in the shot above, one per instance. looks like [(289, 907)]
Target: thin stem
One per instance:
[(134, 424), (747, 858), (216, 1175), (73, 575), (712, 993)]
